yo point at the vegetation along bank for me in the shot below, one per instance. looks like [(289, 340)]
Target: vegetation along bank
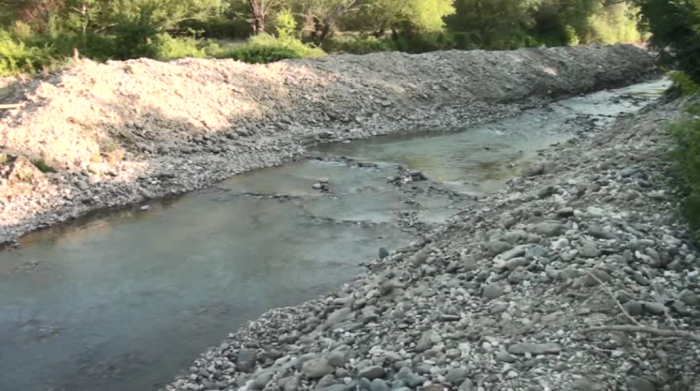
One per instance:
[(41, 35)]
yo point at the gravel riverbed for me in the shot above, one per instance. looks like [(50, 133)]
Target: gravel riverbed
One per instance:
[(501, 297), (125, 132)]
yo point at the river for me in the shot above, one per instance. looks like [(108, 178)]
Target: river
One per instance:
[(124, 300)]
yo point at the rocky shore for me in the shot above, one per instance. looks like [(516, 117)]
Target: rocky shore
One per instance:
[(508, 294), (104, 135)]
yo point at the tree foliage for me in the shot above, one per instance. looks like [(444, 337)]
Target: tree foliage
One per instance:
[(675, 31), (422, 15), (122, 29), (495, 24)]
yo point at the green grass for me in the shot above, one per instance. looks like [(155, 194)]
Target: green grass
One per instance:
[(686, 154), (42, 165)]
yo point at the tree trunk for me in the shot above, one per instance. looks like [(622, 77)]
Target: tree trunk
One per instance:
[(84, 19), (380, 32), (258, 14)]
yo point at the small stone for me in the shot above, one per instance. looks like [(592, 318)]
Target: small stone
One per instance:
[(545, 192), (635, 383), (655, 308), (600, 276), (82, 185), (689, 298), (498, 247), (93, 180), (565, 212), (587, 385), (371, 373), (316, 368), (492, 291), (379, 385), (504, 356), (536, 252), (467, 385), (338, 359), (334, 387), (261, 380), (414, 380), (634, 308), (560, 243), (628, 172), (425, 342), (535, 170), (534, 348), (246, 360), (550, 228), (590, 250), (457, 376), (383, 253)]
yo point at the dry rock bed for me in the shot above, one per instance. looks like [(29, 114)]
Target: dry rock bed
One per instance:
[(103, 135), (508, 294)]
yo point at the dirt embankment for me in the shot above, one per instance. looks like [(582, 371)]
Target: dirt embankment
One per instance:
[(122, 132)]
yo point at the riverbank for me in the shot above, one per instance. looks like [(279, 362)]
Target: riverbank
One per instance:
[(124, 132), (504, 295)]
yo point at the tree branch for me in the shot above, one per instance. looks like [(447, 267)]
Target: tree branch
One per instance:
[(684, 335), (612, 296)]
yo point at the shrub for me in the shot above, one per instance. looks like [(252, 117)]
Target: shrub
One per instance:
[(220, 28), (16, 57), (358, 45), (286, 25), (264, 48), (424, 42), (686, 158), (42, 165), (170, 48), (683, 84)]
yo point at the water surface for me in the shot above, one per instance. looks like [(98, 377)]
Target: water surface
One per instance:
[(126, 300)]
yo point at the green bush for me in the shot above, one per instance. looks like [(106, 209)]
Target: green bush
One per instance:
[(16, 57), (219, 28), (286, 25), (686, 158), (675, 32), (264, 48), (683, 84), (42, 165), (358, 45), (171, 48), (424, 42)]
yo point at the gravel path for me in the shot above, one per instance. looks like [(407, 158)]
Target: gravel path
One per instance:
[(500, 297), (123, 132)]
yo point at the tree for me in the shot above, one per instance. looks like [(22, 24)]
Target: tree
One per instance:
[(259, 10), (423, 15), (494, 24), (675, 29), (135, 23), (36, 13), (321, 16), (82, 13)]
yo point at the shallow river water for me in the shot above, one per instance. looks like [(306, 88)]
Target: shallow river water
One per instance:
[(123, 301)]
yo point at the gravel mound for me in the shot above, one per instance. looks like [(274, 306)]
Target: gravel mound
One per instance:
[(500, 297), (123, 132)]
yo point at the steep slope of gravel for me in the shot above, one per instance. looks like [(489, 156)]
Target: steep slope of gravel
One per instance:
[(501, 297), (122, 132)]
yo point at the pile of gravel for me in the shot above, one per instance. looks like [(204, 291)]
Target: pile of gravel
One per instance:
[(499, 298), (122, 132)]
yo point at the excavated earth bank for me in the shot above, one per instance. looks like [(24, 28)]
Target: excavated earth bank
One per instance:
[(123, 132), (499, 298)]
